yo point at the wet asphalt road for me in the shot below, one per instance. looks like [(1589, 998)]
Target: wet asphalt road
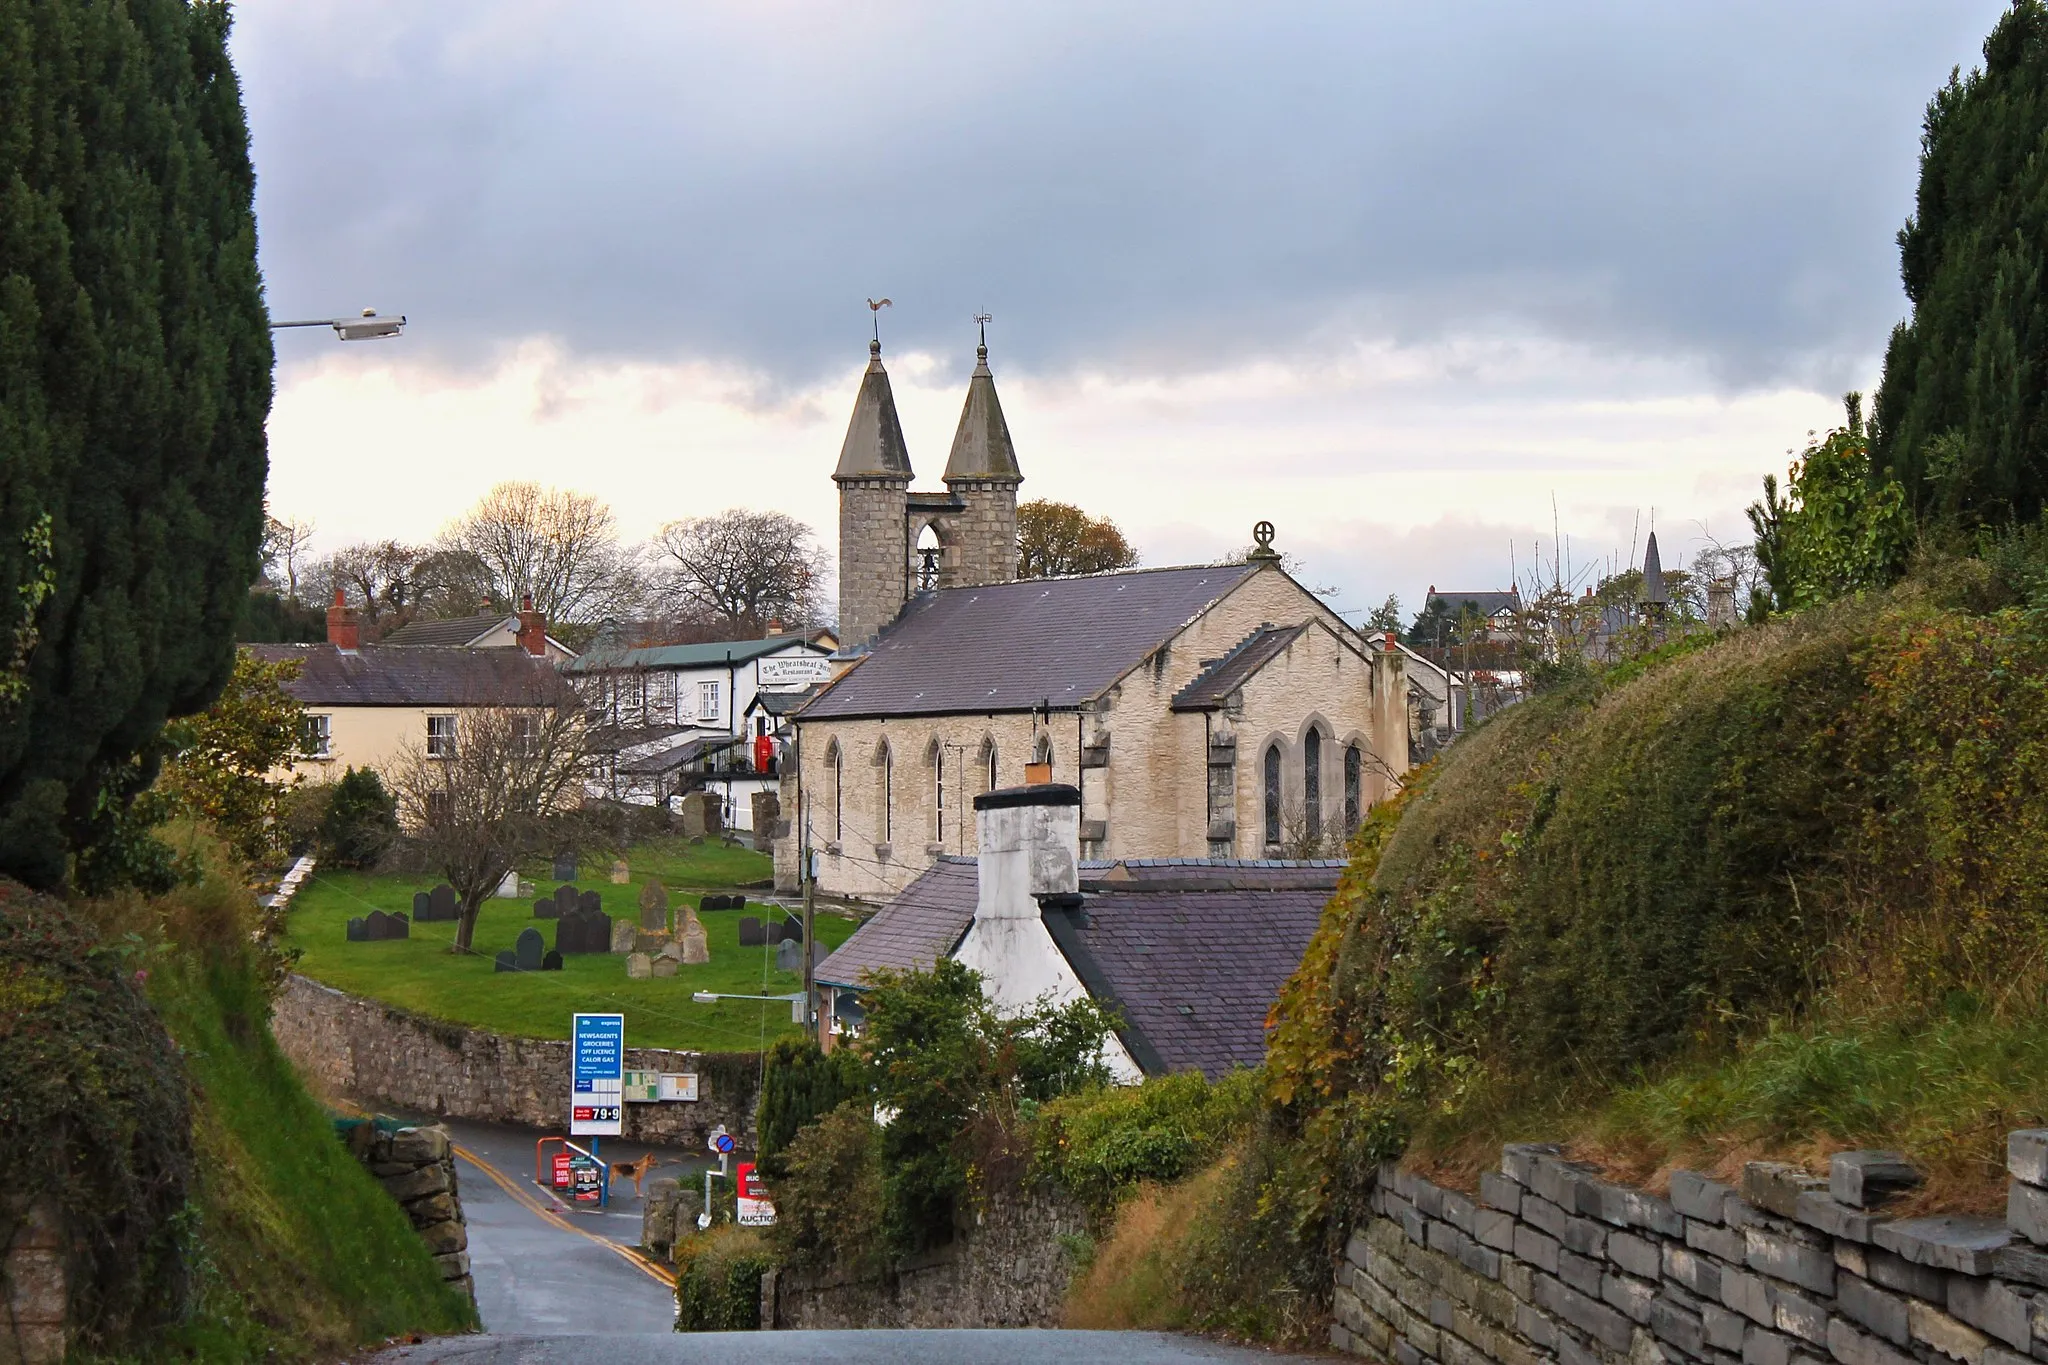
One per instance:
[(836, 1348)]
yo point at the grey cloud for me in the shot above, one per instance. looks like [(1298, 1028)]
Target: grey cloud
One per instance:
[(1156, 190)]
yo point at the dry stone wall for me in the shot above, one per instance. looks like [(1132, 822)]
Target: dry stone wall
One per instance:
[(380, 1055), (416, 1167), (37, 1325), (1549, 1263)]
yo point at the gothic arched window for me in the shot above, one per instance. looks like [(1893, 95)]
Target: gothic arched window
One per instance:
[(1273, 794), (885, 794), (1312, 782), (1354, 783), (938, 761), (988, 762), (835, 759), (1041, 752)]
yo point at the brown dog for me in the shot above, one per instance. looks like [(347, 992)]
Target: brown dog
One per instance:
[(635, 1171)]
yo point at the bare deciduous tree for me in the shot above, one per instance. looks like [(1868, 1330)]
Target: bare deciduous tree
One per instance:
[(559, 545), (284, 551), (742, 569), (505, 786)]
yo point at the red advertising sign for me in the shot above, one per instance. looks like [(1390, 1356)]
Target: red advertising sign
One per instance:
[(755, 1210), (561, 1170)]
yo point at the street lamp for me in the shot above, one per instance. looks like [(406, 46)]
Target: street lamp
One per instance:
[(794, 998), (368, 327)]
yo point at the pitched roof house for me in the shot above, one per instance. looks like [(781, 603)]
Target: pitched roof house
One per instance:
[(1190, 953)]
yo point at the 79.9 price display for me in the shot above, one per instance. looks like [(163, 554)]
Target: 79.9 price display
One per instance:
[(595, 1113)]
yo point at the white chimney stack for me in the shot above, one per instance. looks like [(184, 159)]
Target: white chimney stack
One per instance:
[(1030, 839)]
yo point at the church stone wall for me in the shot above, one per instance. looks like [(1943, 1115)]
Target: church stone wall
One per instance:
[(873, 527), (983, 535)]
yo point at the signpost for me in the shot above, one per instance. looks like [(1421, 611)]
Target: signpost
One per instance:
[(756, 1211), (597, 1051), (794, 669)]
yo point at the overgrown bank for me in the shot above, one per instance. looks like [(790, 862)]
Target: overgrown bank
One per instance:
[(210, 1214)]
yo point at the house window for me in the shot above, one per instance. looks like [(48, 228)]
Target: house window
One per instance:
[(1312, 783), (525, 736), (439, 806), (707, 701), (316, 736), (440, 736), (1273, 795), (661, 698), (1354, 781)]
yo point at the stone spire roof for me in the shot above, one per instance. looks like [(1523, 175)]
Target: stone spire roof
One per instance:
[(981, 446), (1654, 594), (874, 446)]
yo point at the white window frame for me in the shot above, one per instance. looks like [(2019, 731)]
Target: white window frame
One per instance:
[(661, 698), (441, 745), (708, 700), (318, 736), (525, 734)]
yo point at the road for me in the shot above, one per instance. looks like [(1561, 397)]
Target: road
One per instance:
[(560, 1285), (836, 1348)]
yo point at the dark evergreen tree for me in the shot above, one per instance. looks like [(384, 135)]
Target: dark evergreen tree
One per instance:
[(134, 383), (1962, 417), (800, 1084)]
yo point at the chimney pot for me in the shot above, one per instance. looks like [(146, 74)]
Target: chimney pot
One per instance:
[(533, 628), (344, 628)]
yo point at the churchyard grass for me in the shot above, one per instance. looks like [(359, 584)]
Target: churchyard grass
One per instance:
[(421, 975)]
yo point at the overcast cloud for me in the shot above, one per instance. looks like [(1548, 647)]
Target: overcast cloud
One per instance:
[(1390, 274)]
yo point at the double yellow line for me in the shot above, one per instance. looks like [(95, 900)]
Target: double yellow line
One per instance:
[(526, 1199)]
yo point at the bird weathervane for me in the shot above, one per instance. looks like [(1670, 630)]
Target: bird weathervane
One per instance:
[(875, 306), (981, 322)]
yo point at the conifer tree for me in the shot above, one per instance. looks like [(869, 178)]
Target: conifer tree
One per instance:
[(134, 383), (1962, 417)]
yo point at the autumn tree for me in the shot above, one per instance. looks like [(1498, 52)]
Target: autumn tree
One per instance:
[(559, 545), (508, 787), (740, 570), (226, 760), (1058, 539)]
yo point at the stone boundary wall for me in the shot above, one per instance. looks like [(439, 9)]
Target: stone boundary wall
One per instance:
[(1009, 1270), (381, 1055), (416, 1167), (33, 1292), (1549, 1263)]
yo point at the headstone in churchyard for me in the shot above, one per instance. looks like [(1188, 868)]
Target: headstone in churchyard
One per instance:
[(358, 932), (422, 907), (551, 963), (379, 927), (625, 938), (639, 966), (585, 929), (544, 908), (696, 948), (789, 956), (654, 907), (664, 967), (507, 961), (565, 867), (750, 933), (528, 950), (792, 929), (508, 886), (590, 902), (441, 905), (621, 874), (671, 950), (647, 941)]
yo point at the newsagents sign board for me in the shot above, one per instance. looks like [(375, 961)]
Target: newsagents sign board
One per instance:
[(597, 1051)]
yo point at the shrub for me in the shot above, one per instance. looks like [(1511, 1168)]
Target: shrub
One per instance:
[(829, 1196), (718, 1280), (1102, 1143), (800, 1084), (360, 822)]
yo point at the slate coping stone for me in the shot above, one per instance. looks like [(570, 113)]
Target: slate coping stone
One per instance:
[(1817, 1209), (1695, 1196), (1777, 1185), (2026, 1155), (1864, 1180), (1947, 1241)]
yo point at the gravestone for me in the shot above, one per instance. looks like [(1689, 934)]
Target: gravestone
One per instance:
[(506, 962), (625, 938), (528, 950), (585, 929), (664, 967), (621, 874), (639, 966), (792, 929), (358, 932), (654, 907), (435, 906), (695, 947), (590, 902), (671, 950), (379, 927), (422, 907), (789, 956), (750, 933), (508, 886), (551, 963), (565, 867)]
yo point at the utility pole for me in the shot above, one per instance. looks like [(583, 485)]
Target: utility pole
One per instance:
[(809, 882)]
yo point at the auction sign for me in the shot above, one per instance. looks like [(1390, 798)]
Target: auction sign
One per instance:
[(597, 1082), (755, 1209)]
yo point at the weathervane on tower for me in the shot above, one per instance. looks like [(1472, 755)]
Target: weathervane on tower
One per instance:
[(875, 306)]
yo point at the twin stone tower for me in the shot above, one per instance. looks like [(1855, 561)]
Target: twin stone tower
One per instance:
[(893, 542)]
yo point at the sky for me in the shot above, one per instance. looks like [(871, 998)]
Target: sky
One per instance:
[(1430, 287)]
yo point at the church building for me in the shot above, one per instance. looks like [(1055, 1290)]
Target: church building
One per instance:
[(1216, 711)]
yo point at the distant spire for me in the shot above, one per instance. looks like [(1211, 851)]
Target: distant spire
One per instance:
[(1654, 594), (981, 444), (874, 447)]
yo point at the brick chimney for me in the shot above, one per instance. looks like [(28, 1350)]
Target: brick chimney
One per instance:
[(774, 628), (344, 628), (533, 628)]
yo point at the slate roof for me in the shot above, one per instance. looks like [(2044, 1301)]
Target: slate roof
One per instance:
[(675, 756), (417, 675), (1487, 603), (1216, 936), (920, 926), (981, 443), (453, 632), (1214, 684), (781, 703), (715, 653), (1013, 646), (1192, 972), (874, 435)]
